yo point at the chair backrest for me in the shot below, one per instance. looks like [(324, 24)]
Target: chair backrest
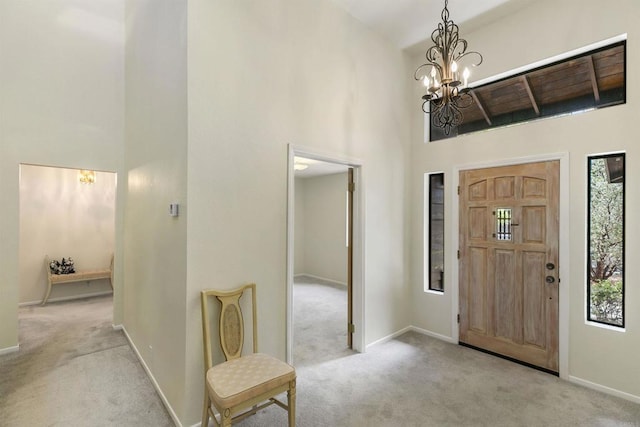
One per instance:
[(231, 322)]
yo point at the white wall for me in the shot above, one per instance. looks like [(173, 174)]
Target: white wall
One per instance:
[(263, 75), (323, 217), (155, 157), (61, 97), (62, 217), (595, 354)]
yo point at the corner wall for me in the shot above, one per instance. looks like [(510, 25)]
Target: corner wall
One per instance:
[(263, 75), (598, 357), (156, 169), (61, 97)]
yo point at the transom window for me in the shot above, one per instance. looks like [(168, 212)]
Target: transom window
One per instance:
[(588, 81)]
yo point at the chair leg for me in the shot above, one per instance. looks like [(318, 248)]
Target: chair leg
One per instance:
[(225, 417), (291, 401), (205, 411)]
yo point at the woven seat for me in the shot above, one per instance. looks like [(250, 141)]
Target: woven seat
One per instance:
[(243, 384)]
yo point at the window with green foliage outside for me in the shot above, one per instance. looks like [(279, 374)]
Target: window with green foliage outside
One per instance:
[(605, 287)]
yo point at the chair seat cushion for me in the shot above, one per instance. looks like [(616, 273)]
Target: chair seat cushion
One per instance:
[(238, 380)]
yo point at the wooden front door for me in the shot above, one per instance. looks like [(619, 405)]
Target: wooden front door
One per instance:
[(509, 261)]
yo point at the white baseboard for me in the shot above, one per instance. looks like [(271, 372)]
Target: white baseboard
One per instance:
[(324, 279), (118, 327), (69, 298), (389, 337), (605, 389), (9, 350), (572, 379), (414, 329), (152, 378), (433, 335)]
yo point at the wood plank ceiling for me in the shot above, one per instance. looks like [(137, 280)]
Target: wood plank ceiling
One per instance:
[(592, 74)]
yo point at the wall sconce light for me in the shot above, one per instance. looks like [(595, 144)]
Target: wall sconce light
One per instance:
[(87, 176)]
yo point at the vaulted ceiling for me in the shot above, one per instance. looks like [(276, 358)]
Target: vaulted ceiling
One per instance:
[(408, 22)]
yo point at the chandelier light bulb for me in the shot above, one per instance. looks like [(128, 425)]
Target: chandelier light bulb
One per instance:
[(465, 75)]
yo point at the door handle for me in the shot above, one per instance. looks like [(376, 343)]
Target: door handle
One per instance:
[(550, 279)]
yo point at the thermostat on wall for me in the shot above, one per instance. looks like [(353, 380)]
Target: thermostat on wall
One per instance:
[(173, 209)]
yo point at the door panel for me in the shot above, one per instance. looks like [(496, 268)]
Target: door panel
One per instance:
[(508, 234), (477, 312), (534, 309)]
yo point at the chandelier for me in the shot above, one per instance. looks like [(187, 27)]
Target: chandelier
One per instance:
[(440, 75)]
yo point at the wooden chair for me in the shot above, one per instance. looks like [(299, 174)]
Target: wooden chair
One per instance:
[(243, 384)]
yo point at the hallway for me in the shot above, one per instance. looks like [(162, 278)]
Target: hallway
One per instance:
[(74, 369)]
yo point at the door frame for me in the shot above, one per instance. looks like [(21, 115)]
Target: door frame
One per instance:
[(563, 247), (358, 240)]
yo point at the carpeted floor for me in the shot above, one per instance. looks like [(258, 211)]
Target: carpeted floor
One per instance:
[(419, 381), (74, 369), (320, 322)]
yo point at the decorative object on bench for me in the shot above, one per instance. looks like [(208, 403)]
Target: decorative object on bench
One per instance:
[(62, 267), (72, 276), (243, 384)]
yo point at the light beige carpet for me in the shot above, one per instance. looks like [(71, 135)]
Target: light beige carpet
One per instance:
[(418, 381), (74, 369)]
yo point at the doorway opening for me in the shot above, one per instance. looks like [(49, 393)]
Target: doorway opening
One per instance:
[(65, 214), (324, 316)]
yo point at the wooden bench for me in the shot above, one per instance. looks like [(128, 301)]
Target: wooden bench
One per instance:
[(80, 276)]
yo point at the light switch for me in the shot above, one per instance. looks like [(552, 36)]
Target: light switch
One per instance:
[(173, 209)]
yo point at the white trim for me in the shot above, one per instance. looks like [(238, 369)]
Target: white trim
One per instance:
[(413, 329), (389, 337), (434, 335), (117, 327), (551, 60), (68, 298), (153, 380), (358, 241), (563, 249), (426, 275), (324, 279), (586, 305), (604, 389), (9, 350), (606, 326)]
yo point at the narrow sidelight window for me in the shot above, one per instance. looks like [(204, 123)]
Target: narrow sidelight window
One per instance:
[(605, 270), (435, 238)]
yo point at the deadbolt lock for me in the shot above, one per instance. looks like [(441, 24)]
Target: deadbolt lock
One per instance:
[(550, 266)]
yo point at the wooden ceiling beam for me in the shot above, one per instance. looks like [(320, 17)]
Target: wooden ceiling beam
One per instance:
[(594, 79), (476, 99), (532, 98)]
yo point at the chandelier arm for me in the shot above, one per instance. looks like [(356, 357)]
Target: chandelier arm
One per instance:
[(464, 100), (423, 106), (465, 54), (418, 75)]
